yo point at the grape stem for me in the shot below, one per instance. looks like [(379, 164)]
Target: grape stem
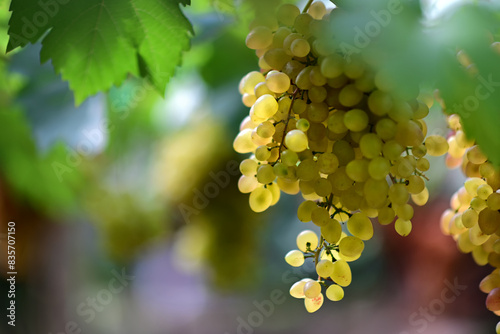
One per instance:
[(294, 95), (307, 6)]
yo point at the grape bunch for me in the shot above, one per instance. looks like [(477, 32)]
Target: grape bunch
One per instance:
[(473, 218), (329, 126)]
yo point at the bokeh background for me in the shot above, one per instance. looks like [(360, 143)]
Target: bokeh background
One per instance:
[(135, 185)]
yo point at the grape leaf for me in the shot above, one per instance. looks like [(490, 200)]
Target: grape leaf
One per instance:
[(95, 44)]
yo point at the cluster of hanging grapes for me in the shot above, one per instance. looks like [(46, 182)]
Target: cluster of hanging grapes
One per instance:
[(331, 128), (473, 218)]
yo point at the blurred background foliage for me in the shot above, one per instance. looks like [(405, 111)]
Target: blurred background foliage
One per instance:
[(119, 181)]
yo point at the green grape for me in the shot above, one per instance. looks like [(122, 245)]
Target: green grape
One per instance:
[(243, 142), (265, 106), (356, 120), (279, 37), (335, 292), (324, 268), (453, 149), (415, 184), (300, 47), (313, 304), (464, 244), (249, 81), (294, 258), (246, 184), (303, 80), (332, 66), (320, 216), (409, 134), (357, 170), (301, 23), (421, 198), (392, 150), (484, 191), (317, 132), (436, 145), (328, 163), (386, 215), (490, 282), (287, 13), (475, 155), (376, 192), (307, 239), (419, 151), (248, 167), (317, 10), (344, 152), (306, 187), (400, 112), (278, 82), (480, 256), (354, 69), (469, 218), (365, 83), (340, 180), (341, 273), (289, 158), (403, 227), (379, 168), (487, 170), (370, 145), (265, 174), (398, 194), (317, 94), (360, 226), (478, 204), (380, 103), (277, 58), (404, 211), (303, 124), (421, 111), (305, 209), (471, 185), (292, 69), (275, 192), (386, 129), (262, 153), (307, 170), (297, 289), (316, 77), (493, 201), (464, 142), (287, 42), (296, 141), (248, 100), (266, 129), (299, 106), (489, 221), (350, 96), (322, 187), (351, 246), (262, 89), (260, 199), (259, 38), (317, 112), (312, 289), (336, 122), (331, 231), (423, 164), (477, 237), (351, 199)]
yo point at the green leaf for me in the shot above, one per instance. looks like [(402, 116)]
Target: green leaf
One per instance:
[(96, 44)]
